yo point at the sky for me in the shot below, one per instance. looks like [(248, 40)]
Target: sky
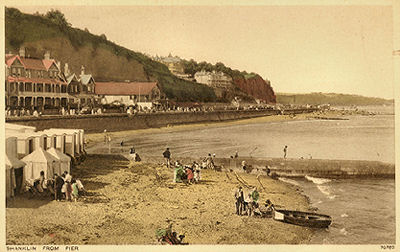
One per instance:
[(300, 49)]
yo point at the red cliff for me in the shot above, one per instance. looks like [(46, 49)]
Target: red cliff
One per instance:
[(256, 87)]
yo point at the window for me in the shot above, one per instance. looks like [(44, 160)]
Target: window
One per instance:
[(6, 84), (58, 88), (19, 71), (63, 88), (12, 86), (39, 87), (47, 88), (30, 146), (45, 143), (13, 70), (21, 87), (28, 87)]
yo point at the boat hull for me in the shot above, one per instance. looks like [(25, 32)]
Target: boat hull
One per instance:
[(306, 219)]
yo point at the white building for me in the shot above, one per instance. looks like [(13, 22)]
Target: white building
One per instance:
[(213, 79)]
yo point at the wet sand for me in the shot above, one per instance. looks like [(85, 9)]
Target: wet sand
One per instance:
[(95, 138), (127, 202)]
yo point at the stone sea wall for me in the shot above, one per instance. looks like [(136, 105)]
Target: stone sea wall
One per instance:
[(119, 122), (323, 168)]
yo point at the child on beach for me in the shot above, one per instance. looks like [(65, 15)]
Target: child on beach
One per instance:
[(75, 191)]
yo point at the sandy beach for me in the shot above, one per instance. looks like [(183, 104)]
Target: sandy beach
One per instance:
[(126, 203)]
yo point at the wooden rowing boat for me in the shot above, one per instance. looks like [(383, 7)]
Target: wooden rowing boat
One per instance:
[(303, 218)]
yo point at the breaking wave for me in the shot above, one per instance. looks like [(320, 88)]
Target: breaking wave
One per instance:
[(318, 181), (289, 181)]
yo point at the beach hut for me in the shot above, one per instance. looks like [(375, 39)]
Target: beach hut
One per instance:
[(51, 140), (16, 128), (25, 144), (12, 155), (57, 139), (40, 140), (65, 161), (79, 138), (12, 164), (39, 160), (71, 138)]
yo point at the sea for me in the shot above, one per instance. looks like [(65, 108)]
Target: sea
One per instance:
[(363, 210)]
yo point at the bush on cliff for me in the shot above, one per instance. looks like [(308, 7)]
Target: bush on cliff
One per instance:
[(106, 60)]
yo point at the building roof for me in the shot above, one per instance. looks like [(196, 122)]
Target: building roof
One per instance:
[(58, 155), (71, 78), (10, 59), (85, 78), (124, 88), (35, 64), (13, 162), (30, 63), (47, 63)]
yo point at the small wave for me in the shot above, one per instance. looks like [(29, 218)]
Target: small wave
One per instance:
[(344, 215), (289, 181), (318, 181), (327, 191)]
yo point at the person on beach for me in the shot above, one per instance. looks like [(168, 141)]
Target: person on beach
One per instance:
[(68, 191), (244, 165), (75, 190), (67, 177), (40, 182), (190, 175), (285, 152), (132, 154), (254, 195), (239, 200), (197, 170), (58, 185), (236, 154), (167, 157), (210, 162), (81, 188)]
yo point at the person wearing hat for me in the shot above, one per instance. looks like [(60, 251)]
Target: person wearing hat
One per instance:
[(239, 200)]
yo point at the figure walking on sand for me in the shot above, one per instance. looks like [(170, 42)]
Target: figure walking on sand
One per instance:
[(285, 152), (167, 156)]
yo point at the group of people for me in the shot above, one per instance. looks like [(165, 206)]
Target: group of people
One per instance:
[(21, 112), (187, 174), (61, 186), (208, 162), (246, 203)]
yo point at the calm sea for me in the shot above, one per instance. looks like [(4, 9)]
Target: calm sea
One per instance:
[(363, 210)]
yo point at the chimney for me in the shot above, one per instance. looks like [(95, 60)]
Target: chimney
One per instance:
[(47, 55), (66, 70), (22, 52), (82, 70)]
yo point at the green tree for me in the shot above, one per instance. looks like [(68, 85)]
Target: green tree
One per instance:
[(57, 17)]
